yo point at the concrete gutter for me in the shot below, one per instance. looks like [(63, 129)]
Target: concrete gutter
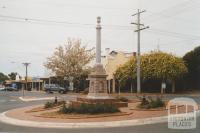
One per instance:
[(124, 123), (36, 99)]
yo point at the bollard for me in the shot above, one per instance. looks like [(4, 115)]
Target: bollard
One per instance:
[(56, 100)]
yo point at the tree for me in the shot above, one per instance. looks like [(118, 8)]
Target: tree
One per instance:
[(164, 66), (126, 73), (3, 77), (70, 60), (192, 60), (154, 65), (12, 75)]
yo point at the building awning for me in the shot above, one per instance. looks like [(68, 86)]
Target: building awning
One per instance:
[(8, 82)]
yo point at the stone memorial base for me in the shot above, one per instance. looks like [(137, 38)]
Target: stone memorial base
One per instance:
[(98, 90), (98, 83), (113, 102)]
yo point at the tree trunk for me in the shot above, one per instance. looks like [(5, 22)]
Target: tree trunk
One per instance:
[(113, 87), (173, 86), (161, 88), (131, 88), (109, 91), (119, 89)]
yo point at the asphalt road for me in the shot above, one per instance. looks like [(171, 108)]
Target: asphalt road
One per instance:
[(9, 100)]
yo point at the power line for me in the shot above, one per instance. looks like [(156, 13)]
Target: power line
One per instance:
[(119, 27), (107, 27), (176, 6), (43, 20), (86, 25), (166, 16), (174, 42), (173, 34), (175, 10), (65, 23)]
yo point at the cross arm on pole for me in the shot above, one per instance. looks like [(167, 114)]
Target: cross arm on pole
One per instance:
[(137, 24), (142, 29), (139, 12)]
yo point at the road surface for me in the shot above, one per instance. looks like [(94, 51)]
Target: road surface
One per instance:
[(9, 100)]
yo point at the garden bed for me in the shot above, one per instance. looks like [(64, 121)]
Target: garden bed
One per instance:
[(41, 108), (80, 116), (47, 106)]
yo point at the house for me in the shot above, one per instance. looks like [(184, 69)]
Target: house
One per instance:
[(111, 61)]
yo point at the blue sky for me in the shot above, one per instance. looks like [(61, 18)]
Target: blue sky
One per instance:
[(174, 27)]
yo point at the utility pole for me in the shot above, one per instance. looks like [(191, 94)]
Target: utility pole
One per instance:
[(158, 45), (26, 64), (140, 27)]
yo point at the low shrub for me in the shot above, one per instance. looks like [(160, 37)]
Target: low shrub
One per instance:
[(86, 91), (151, 103), (61, 102), (48, 105), (157, 103), (66, 110), (53, 104), (89, 109), (122, 99)]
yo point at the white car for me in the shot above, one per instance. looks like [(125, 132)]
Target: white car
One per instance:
[(2, 88)]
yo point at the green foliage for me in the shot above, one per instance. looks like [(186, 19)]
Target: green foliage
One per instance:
[(66, 110), (192, 60), (3, 77), (86, 91), (154, 65), (126, 72), (122, 99), (144, 101), (89, 109), (12, 75), (151, 103), (48, 105), (53, 104), (157, 103), (159, 65)]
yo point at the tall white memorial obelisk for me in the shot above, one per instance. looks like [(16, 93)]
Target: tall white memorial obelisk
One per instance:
[(98, 41), (98, 82)]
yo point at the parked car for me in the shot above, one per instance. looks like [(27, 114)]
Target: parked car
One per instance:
[(50, 88), (2, 89), (11, 88)]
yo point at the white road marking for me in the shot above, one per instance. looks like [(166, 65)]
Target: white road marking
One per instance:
[(12, 100), (2, 101), (36, 99)]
